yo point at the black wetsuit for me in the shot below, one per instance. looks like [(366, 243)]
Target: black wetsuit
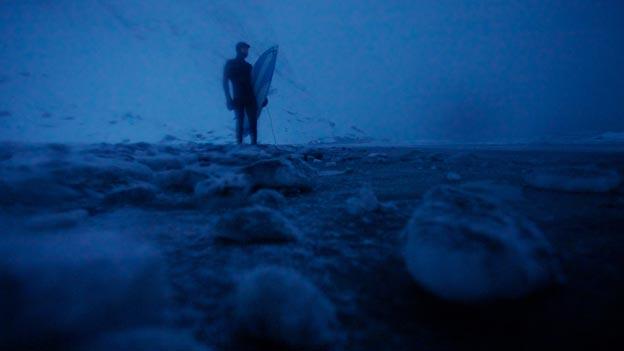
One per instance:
[(238, 71)]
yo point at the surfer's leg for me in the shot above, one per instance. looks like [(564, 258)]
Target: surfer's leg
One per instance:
[(240, 114), (252, 114)]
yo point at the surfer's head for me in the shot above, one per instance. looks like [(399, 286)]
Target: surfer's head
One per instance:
[(242, 49)]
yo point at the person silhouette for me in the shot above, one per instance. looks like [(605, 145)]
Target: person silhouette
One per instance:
[(242, 100)]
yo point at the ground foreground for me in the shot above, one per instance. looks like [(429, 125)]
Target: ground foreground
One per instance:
[(212, 247)]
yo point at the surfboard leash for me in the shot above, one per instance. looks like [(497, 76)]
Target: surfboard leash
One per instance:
[(272, 130)]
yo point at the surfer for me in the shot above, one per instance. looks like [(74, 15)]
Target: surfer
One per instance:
[(242, 99)]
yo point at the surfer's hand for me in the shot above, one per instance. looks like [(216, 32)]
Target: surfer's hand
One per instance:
[(266, 102), (230, 104)]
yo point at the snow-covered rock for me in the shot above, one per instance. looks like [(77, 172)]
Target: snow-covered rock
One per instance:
[(42, 176), (101, 174), (280, 306), (245, 153), (376, 157), (311, 154), (268, 197), (179, 180), (575, 179), (292, 174), (224, 184), (253, 225), (143, 339), (363, 202), (466, 246), (139, 194), (65, 287), (162, 163)]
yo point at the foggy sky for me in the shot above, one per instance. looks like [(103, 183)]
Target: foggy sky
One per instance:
[(404, 71), (464, 69)]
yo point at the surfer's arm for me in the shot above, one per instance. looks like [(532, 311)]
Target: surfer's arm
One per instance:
[(226, 85)]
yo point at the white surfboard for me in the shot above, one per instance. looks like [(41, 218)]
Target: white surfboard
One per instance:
[(261, 77)]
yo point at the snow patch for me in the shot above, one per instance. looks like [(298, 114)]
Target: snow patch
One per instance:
[(363, 202), (467, 246), (254, 225), (292, 174), (280, 306)]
